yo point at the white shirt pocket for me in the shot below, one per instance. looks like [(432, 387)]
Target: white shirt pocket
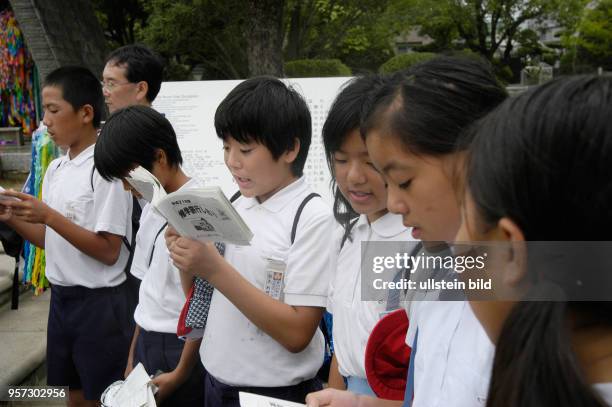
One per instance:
[(80, 211)]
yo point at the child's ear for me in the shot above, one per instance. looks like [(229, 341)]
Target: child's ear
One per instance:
[(161, 157), (516, 267), (289, 156), (87, 113)]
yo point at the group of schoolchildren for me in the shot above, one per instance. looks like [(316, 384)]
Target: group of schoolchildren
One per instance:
[(434, 154)]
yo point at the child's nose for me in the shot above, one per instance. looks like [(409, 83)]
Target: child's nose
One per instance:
[(233, 161), (355, 174), (395, 204)]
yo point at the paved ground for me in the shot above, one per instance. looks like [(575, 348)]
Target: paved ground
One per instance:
[(22, 334)]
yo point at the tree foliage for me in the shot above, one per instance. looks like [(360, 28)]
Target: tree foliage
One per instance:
[(487, 27), (405, 61), (120, 19), (590, 42), (218, 36), (309, 68)]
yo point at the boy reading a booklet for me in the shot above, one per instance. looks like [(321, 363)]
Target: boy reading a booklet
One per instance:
[(262, 331), (80, 223), (140, 136)]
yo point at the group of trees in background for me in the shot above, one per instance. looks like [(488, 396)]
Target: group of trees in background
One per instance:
[(224, 39)]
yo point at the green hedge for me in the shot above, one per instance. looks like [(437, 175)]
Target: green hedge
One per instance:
[(405, 61), (311, 68)]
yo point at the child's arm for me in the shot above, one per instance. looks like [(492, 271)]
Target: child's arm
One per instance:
[(187, 279), (336, 381), (169, 382), (340, 398), (103, 246), (130, 361), (291, 326)]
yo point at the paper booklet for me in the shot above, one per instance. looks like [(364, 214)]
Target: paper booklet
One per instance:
[(255, 400), (200, 213)]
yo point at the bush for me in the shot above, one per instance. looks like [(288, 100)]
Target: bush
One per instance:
[(405, 61), (312, 68)]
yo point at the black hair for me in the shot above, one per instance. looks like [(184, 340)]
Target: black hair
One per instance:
[(345, 116), (133, 135), (430, 105), (265, 110), (79, 87), (141, 64), (543, 159)]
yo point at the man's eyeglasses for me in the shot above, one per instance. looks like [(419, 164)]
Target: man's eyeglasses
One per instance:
[(110, 85)]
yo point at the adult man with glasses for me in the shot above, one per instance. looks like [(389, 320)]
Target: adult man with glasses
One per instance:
[(132, 76)]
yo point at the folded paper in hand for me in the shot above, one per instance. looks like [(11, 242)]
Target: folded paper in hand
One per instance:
[(136, 391), (199, 213), (255, 400)]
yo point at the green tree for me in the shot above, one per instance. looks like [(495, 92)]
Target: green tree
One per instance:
[(484, 26), (120, 20), (358, 32), (405, 61), (590, 43), (208, 33), (235, 39)]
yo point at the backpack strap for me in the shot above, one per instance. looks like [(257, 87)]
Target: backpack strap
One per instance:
[(236, 195), (93, 169), (154, 240), (131, 245), (296, 219), (347, 233), (299, 213)]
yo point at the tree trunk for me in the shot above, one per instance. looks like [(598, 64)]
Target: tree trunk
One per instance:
[(61, 32), (295, 30), (264, 35)]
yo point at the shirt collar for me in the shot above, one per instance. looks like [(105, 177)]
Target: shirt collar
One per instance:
[(388, 225), (281, 198), (192, 183), (82, 157)]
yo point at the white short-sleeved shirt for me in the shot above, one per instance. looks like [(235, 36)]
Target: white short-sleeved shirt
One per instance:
[(353, 318), (454, 355), (150, 223), (234, 350), (161, 297), (67, 188)]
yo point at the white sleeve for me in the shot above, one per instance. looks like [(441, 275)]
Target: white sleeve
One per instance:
[(308, 273), (112, 207), (334, 251)]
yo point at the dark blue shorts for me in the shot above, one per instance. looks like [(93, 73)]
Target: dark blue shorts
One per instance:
[(162, 351), (88, 337), (218, 394)]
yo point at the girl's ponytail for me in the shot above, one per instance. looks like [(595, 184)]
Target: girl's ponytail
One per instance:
[(534, 363)]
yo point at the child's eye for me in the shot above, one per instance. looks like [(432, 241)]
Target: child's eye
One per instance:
[(405, 185), (246, 150)]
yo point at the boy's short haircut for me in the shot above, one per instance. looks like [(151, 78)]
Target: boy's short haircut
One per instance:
[(133, 135), (141, 64), (265, 110), (79, 87)]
